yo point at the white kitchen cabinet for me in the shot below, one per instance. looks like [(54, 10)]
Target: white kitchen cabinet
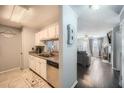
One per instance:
[(44, 34), (49, 32), (32, 62), (37, 38), (52, 31), (43, 68), (38, 65), (57, 30)]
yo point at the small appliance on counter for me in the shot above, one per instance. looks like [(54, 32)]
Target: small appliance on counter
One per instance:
[(39, 49)]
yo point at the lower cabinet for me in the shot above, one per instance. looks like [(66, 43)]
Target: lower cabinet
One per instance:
[(43, 68), (38, 65)]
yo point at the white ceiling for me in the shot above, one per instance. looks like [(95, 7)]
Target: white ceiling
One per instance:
[(34, 16), (96, 22), (91, 22)]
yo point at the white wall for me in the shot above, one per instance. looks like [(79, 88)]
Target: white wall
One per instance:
[(117, 44), (122, 31), (28, 41), (68, 54), (123, 55), (10, 49)]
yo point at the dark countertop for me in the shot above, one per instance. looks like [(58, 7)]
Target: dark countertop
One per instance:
[(54, 59)]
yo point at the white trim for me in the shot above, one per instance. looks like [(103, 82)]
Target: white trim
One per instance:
[(74, 84), (16, 68), (121, 11)]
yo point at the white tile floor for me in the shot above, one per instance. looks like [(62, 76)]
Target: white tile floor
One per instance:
[(22, 79)]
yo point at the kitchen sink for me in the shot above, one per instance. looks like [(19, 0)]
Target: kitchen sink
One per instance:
[(45, 54)]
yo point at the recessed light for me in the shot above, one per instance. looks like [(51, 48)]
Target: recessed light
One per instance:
[(94, 7)]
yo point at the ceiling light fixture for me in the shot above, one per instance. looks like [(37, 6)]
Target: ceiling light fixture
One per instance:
[(94, 7)]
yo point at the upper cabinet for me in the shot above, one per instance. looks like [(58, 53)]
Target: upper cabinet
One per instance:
[(48, 33), (37, 38), (44, 34), (52, 31), (57, 30)]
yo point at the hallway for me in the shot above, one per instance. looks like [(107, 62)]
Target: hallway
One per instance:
[(98, 75)]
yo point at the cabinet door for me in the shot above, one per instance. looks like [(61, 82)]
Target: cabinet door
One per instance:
[(31, 62), (43, 71), (41, 35), (37, 65), (37, 38), (52, 31), (57, 30), (44, 34)]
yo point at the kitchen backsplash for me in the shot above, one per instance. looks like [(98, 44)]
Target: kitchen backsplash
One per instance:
[(52, 45)]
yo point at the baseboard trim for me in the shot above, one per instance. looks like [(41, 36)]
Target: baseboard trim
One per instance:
[(16, 68), (74, 84), (115, 69)]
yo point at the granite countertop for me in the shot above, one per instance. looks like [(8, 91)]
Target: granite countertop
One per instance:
[(54, 59)]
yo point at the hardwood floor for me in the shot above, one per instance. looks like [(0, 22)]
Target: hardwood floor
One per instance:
[(98, 75)]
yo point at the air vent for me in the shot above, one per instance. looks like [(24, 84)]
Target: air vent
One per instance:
[(8, 32)]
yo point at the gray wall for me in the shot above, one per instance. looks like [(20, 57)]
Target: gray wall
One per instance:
[(122, 14), (122, 50), (122, 27), (68, 54), (116, 47), (10, 49)]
